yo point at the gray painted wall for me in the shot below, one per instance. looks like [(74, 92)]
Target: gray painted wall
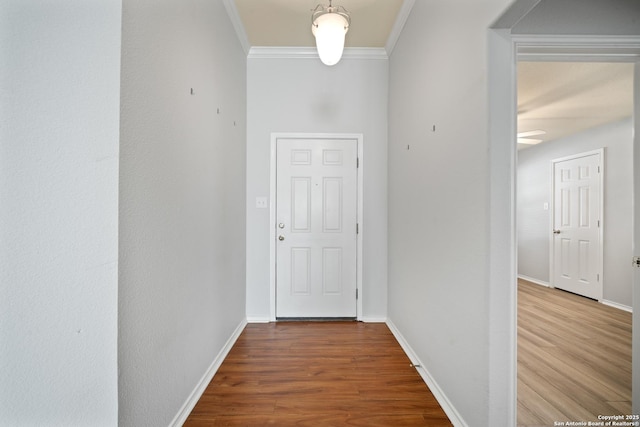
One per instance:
[(303, 95), (583, 17), (59, 124), (182, 227), (438, 196), (534, 189)]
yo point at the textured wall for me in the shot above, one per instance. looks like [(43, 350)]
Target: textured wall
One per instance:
[(438, 196), (182, 180), (583, 17), (59, 123)]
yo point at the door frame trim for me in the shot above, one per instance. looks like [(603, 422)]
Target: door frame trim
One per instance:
[(601, 152), (503, 47), (275, 136)]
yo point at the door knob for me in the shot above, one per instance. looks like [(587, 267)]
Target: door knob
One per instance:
[(556, 231), (280, 238)]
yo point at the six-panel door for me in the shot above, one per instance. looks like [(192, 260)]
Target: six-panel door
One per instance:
[(576, 223), (316, 213)]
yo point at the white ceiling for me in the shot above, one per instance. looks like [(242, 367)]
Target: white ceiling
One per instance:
[(559, 98), (563, 98)]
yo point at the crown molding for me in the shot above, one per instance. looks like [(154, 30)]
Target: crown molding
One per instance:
[(234, 16), (268, 52), (273, 52), (365, 53), (401, 19), (577, 48)]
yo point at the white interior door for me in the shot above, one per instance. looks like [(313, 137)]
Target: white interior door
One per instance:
[(577, 250), (316, 226)]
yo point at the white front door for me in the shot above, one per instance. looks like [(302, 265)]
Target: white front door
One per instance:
[(316, 214), (577, 248)]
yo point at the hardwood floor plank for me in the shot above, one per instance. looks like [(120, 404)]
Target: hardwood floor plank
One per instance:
[(320, 420), (527, 417), (562, 368), (558, 389), (574, 357), (537, 405), (317, 374), (212, 405), (383, 406)]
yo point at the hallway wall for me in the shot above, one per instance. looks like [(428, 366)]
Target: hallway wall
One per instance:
[(59, 124), (182, 180), (303, 95), (438, 196), (584, 17)]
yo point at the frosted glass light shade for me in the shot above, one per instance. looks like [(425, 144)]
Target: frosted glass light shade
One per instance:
[(329, 30)]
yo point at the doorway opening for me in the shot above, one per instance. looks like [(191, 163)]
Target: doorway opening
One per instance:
[(504, 48), (577, 108)]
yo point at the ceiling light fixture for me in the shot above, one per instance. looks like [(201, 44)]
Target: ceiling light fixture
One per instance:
[(329, 25)]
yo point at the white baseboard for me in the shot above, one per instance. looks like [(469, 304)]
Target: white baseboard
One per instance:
[(373, 319), (455, 418), (532, 280), (617, 305), (363, 319), (190, 403), (258, 320)]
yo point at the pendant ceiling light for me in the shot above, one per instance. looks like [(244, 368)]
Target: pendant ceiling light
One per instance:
[(329, 25)]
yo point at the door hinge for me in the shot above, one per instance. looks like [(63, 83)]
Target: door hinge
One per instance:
[(356, 293), (357, 162), (598, 169), (598, 277), (598, 223), (357, 228)]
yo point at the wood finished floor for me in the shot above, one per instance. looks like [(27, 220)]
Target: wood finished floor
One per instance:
[(317, 374), (574, 357)]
